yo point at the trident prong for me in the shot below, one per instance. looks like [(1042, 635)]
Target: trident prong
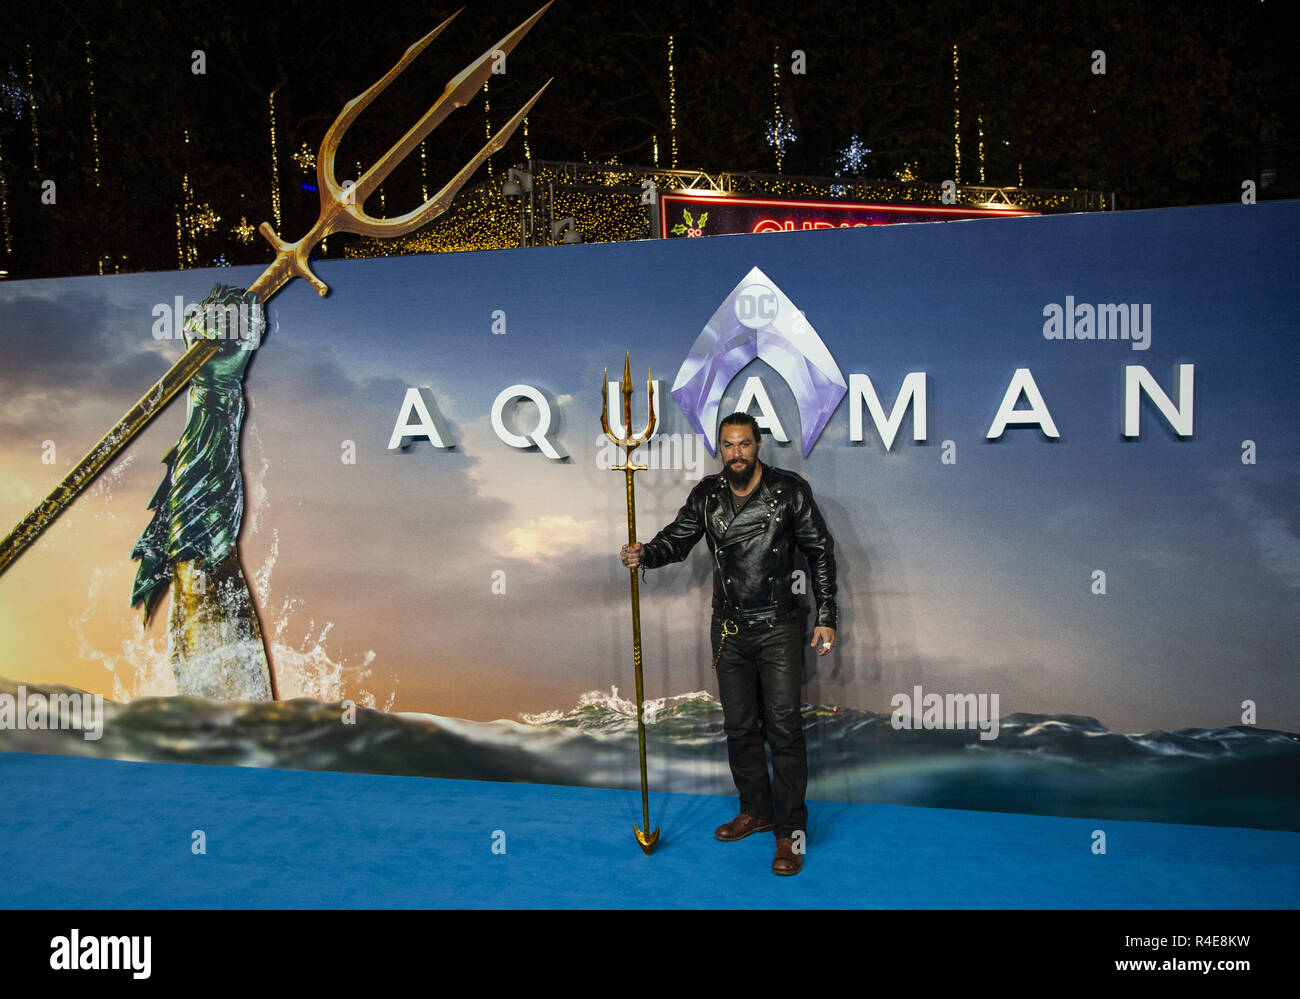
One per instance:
[(341, 208), (631, 443), (340, 212)]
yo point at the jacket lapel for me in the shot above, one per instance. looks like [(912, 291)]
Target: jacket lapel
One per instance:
[(720, 516), (731, 527)]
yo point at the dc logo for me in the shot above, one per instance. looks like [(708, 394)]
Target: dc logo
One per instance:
[(756, 305), (731, 339)]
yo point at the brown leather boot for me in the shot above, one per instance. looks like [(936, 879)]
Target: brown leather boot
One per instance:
[(741, 826), (786, 861)]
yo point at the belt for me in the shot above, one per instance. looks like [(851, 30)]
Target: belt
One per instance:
[(770, 614)]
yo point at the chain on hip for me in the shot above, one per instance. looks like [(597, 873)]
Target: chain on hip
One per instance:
[(728, 628)]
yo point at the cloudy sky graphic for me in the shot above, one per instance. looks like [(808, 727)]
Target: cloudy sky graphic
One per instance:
[(976, 575)]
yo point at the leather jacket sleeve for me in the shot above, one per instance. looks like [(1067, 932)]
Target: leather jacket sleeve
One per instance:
[(814, 540), (675, 541)]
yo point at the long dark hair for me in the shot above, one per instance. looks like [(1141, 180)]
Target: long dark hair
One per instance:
[(742, 420)]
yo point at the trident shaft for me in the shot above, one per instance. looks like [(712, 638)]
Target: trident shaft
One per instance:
[(341, 211), (630, 444)]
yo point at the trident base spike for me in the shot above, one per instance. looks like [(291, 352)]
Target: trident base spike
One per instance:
[(630, 443)]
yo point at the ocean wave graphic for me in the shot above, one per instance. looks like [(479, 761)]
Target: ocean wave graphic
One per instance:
[(1053, 764)]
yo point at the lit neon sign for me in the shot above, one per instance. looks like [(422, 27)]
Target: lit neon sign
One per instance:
[(772, 225), (681, 214)]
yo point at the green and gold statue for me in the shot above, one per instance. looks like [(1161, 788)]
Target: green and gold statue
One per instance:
[(214, 639)]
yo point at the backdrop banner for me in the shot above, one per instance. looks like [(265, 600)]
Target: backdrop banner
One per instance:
[(1059, 456)]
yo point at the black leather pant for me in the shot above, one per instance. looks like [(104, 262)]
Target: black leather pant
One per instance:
[(759, 676)]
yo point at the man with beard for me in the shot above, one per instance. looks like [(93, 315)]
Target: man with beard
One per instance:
[(755, 517)]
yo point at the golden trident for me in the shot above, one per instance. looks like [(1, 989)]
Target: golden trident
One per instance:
[(631, 443), (340, 212)]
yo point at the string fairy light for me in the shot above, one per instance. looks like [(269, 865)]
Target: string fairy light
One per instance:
[(956, 120), (672, 107), (980, 119), (183, 215), (4, 207), (779, 137), (605, 201), (527, 153), (424, 183), (203, 221), (94, 124), (275, 166), (487, 123), (305, 158), (193, 220), (358, 176), (31, 107), (654, 139)]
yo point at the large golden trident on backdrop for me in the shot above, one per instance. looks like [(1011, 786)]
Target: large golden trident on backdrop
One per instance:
[(340, 212), (630, 444)]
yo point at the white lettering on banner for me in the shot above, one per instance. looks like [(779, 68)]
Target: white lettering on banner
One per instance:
[(405, 432), (538, 434), (1036, 415), (1138, 379), (418, 419), (911, 393), (754, 392)]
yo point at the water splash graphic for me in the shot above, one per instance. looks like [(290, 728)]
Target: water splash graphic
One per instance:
[(308, 668)]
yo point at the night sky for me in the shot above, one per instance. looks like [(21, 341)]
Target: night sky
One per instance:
[(1194, 100)]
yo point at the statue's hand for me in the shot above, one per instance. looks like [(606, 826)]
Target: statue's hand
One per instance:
[(236, 320)]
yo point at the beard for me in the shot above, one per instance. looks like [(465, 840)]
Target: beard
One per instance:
[(739, 472)]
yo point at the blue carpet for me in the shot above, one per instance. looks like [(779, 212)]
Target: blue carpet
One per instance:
[(101, 834)]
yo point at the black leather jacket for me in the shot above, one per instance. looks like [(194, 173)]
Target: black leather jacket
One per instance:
[(753, 551)]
